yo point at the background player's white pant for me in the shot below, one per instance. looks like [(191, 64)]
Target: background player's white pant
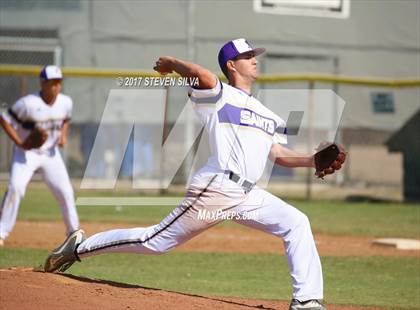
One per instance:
[(258, 209), (54, 172)]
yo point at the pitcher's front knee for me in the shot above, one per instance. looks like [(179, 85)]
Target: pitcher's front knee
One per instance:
[(301, 226), (304, 221)]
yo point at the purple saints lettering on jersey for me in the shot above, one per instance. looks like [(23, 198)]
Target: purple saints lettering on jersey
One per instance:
[(248, 118), (252, 119)]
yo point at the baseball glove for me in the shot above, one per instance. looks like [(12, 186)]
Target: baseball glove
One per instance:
[(328, 158), (35, 139)]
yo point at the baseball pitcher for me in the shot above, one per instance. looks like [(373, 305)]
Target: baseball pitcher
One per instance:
[(243, 134)]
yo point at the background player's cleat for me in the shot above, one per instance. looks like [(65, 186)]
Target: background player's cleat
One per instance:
[(306, 305), (64, 256)]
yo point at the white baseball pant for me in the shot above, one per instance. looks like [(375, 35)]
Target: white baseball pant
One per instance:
[(24, 165), (210, 192)]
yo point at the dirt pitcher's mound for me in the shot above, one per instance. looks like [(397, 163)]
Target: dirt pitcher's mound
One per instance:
[(23, 288)]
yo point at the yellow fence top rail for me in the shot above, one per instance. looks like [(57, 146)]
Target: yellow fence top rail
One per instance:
[(114, 73)]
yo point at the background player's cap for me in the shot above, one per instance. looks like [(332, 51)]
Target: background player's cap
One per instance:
[(233, 49), (51, 73)]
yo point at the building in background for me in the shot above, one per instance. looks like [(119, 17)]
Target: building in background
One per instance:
[(375, 38)]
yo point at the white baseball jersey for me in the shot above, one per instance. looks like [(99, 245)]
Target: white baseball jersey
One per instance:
[(32, 109), (27, 112), (241, 129), (241, 132)]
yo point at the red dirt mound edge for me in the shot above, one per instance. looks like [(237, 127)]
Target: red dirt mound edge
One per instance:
[(24, 288)]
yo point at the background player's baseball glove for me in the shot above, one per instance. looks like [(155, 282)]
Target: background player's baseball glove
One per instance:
[(328, 158), (35, 139)]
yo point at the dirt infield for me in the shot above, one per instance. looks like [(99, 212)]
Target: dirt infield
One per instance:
[(26, 289), (221, 239)]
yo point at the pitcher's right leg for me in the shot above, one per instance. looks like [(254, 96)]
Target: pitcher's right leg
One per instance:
[(182, 224)]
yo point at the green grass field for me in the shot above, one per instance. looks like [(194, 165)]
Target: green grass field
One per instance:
[(392, 282)]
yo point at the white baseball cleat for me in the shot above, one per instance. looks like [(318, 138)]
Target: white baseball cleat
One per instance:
[(65, 255), (306, 305)]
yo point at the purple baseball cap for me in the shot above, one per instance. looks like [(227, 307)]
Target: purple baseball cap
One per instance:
[(51, 73), (233, 49)]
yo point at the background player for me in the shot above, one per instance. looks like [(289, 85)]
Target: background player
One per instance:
[(51, 111), (243, 134)]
